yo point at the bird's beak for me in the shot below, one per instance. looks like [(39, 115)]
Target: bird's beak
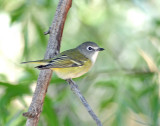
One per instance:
[(100, 49)]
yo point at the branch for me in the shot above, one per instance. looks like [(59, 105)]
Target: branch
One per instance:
[(53, 48), (76, 90)]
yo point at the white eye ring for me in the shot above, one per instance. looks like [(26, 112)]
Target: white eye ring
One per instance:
[(89, 48)]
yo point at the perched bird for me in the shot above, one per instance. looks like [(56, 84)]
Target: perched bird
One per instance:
[(71, 63)]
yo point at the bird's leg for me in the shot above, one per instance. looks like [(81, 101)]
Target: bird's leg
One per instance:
[(72, 83)]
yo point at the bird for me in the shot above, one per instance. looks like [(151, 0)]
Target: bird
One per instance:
[(71, 63)]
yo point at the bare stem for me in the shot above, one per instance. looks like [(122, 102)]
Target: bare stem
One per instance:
[(75, 89)]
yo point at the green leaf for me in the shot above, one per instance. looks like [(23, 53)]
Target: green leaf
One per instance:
[(107, 102), (49, 112), (107, 84), (13, 91), (68, 121), (19, 13)]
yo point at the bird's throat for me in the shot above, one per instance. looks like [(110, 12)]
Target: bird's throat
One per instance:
[(94, 57)]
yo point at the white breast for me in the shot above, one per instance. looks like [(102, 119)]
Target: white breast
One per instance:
[(94, 57)]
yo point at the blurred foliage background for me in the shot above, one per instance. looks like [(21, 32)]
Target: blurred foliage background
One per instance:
[(122, 88)]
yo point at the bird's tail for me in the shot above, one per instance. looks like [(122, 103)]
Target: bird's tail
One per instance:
[(40, 62), (43, 64)]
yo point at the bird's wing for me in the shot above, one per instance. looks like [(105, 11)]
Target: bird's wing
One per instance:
[(62, 61)]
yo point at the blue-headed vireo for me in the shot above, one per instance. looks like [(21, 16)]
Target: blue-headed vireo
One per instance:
[(71, 63)]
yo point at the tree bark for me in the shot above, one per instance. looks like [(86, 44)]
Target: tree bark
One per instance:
[(53, 48)]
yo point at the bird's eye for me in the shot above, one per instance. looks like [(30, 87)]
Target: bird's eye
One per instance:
[(89, 48)]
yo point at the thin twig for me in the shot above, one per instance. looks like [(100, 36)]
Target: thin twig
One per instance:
[(47, 32), (75, 89), (53, 48)]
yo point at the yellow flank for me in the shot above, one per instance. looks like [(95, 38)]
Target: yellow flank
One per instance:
[(73, 72)]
